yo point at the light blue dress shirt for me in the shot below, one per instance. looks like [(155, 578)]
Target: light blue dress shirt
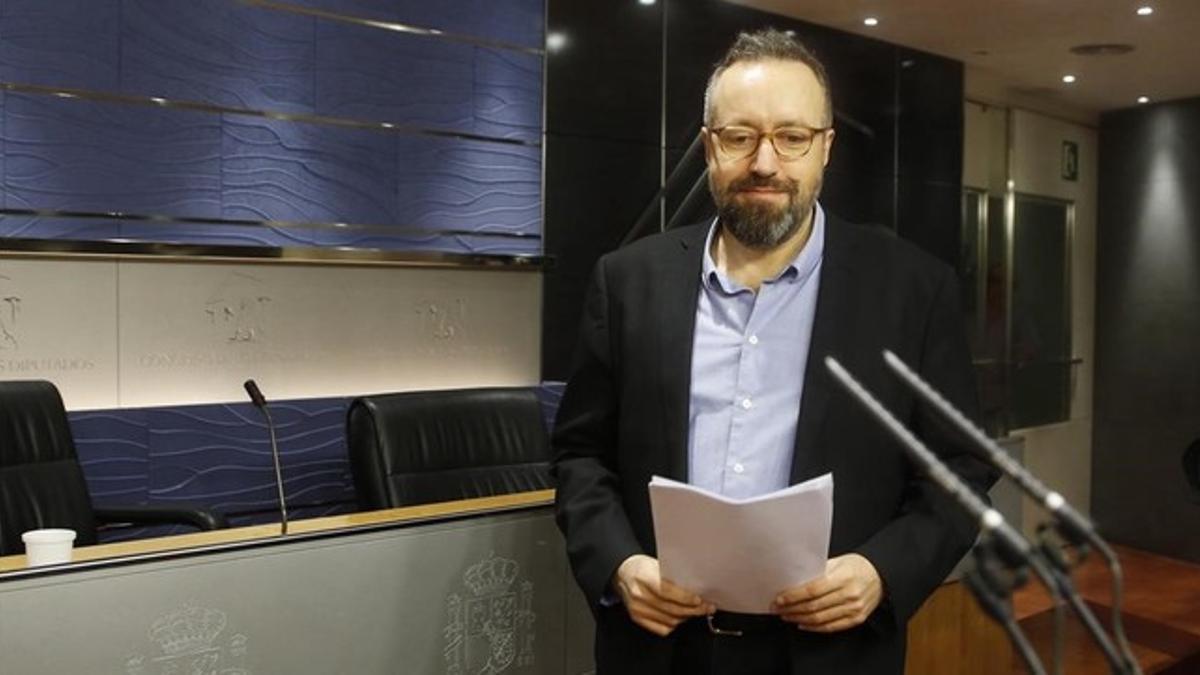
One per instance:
[(748, 359)]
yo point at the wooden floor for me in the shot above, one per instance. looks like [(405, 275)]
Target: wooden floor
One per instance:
[(1161, 613)]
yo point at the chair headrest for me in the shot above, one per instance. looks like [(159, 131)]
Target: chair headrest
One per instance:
[(33, 424), (438, 430)]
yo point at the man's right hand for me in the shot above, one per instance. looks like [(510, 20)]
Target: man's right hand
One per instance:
[(652, 602)]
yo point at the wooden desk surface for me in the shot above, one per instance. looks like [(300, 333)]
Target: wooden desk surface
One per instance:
[(481, 505)]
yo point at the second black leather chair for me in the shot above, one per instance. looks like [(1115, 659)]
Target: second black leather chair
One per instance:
[(431, 446)]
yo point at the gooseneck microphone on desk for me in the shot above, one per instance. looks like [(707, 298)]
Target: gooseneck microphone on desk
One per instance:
[(1003, 553), (260, 402), (1072, 526)]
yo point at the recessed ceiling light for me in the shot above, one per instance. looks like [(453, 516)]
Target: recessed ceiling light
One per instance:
[(871, 21), (1143, 99), (1068, 78), (1145, 10), (556, 41), (645, 2)]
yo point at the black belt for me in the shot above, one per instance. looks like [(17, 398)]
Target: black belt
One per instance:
[(734, 624)]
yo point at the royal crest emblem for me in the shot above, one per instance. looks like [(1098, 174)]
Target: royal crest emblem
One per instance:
[(189, 643), (490, 627)]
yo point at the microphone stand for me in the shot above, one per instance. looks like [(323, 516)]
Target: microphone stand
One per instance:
[(992, 581), (1016, 553), (260, 402), (1073, 527)]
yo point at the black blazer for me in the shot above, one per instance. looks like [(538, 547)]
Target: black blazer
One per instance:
[(624, 417)]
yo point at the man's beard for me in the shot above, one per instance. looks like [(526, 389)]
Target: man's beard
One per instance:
[(761, 225)]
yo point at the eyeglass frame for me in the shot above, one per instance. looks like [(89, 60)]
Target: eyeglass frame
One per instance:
[(816, 131)]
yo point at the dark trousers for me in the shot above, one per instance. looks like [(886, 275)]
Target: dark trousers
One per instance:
[(761, 649)]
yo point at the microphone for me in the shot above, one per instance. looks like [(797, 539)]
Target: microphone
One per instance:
[(1011, 546), (260, 402), (1074, 526)]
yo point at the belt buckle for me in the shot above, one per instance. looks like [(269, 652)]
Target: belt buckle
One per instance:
[(712, 628)]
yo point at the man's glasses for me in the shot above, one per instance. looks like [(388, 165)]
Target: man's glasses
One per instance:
[(789, 142)]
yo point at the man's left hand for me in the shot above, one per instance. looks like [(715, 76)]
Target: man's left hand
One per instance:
[(843, 598)]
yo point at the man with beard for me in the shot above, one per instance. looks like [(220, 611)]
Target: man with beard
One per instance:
[(700, 359)]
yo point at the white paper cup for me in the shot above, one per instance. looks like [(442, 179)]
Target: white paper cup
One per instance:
[(48, 547)]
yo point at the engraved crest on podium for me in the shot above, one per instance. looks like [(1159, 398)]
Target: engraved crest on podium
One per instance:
[(189, 642), (490, 626)]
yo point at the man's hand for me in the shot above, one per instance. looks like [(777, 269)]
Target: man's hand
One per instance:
[(653, 603), (843, 598)]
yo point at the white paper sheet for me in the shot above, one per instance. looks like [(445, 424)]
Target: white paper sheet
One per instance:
[(740, 553)]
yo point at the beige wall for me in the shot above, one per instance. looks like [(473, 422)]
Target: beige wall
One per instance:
[(131, 333)]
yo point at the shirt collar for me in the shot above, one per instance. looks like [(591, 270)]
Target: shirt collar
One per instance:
[(797, 271)]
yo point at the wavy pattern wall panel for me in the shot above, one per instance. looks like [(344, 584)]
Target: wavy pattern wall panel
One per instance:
[(63, 43), (38, 227), (387, 238), (82, 155), (179, 161), (219, 52), (368, 73), (508, 94), (275, 170), (517, 22), (114, 449), (473, 185), (220, 455)]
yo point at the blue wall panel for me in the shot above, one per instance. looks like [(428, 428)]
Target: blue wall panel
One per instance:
[(373, 74), (508, 94), (380, 10), (366, 238), (37, 227), (218, 52), (421, 191), (469, 185), (113, 447), (220, 455), (83, 155), (64, 43), (277, 170), (516, 22)]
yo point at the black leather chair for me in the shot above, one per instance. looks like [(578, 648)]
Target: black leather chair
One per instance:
[(41, 481), (432, 446)]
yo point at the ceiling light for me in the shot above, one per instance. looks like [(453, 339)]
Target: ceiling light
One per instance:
[(1068, 78), (871, 21), (1143, 99), (1145, 10), (645, 2), (556, 41)]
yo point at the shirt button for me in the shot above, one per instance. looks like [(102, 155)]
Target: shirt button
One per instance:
[(753, 339), (746, 403), (738, 468)]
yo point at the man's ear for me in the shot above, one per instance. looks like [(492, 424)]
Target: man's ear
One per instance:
[(706, 138), (827, 146)]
